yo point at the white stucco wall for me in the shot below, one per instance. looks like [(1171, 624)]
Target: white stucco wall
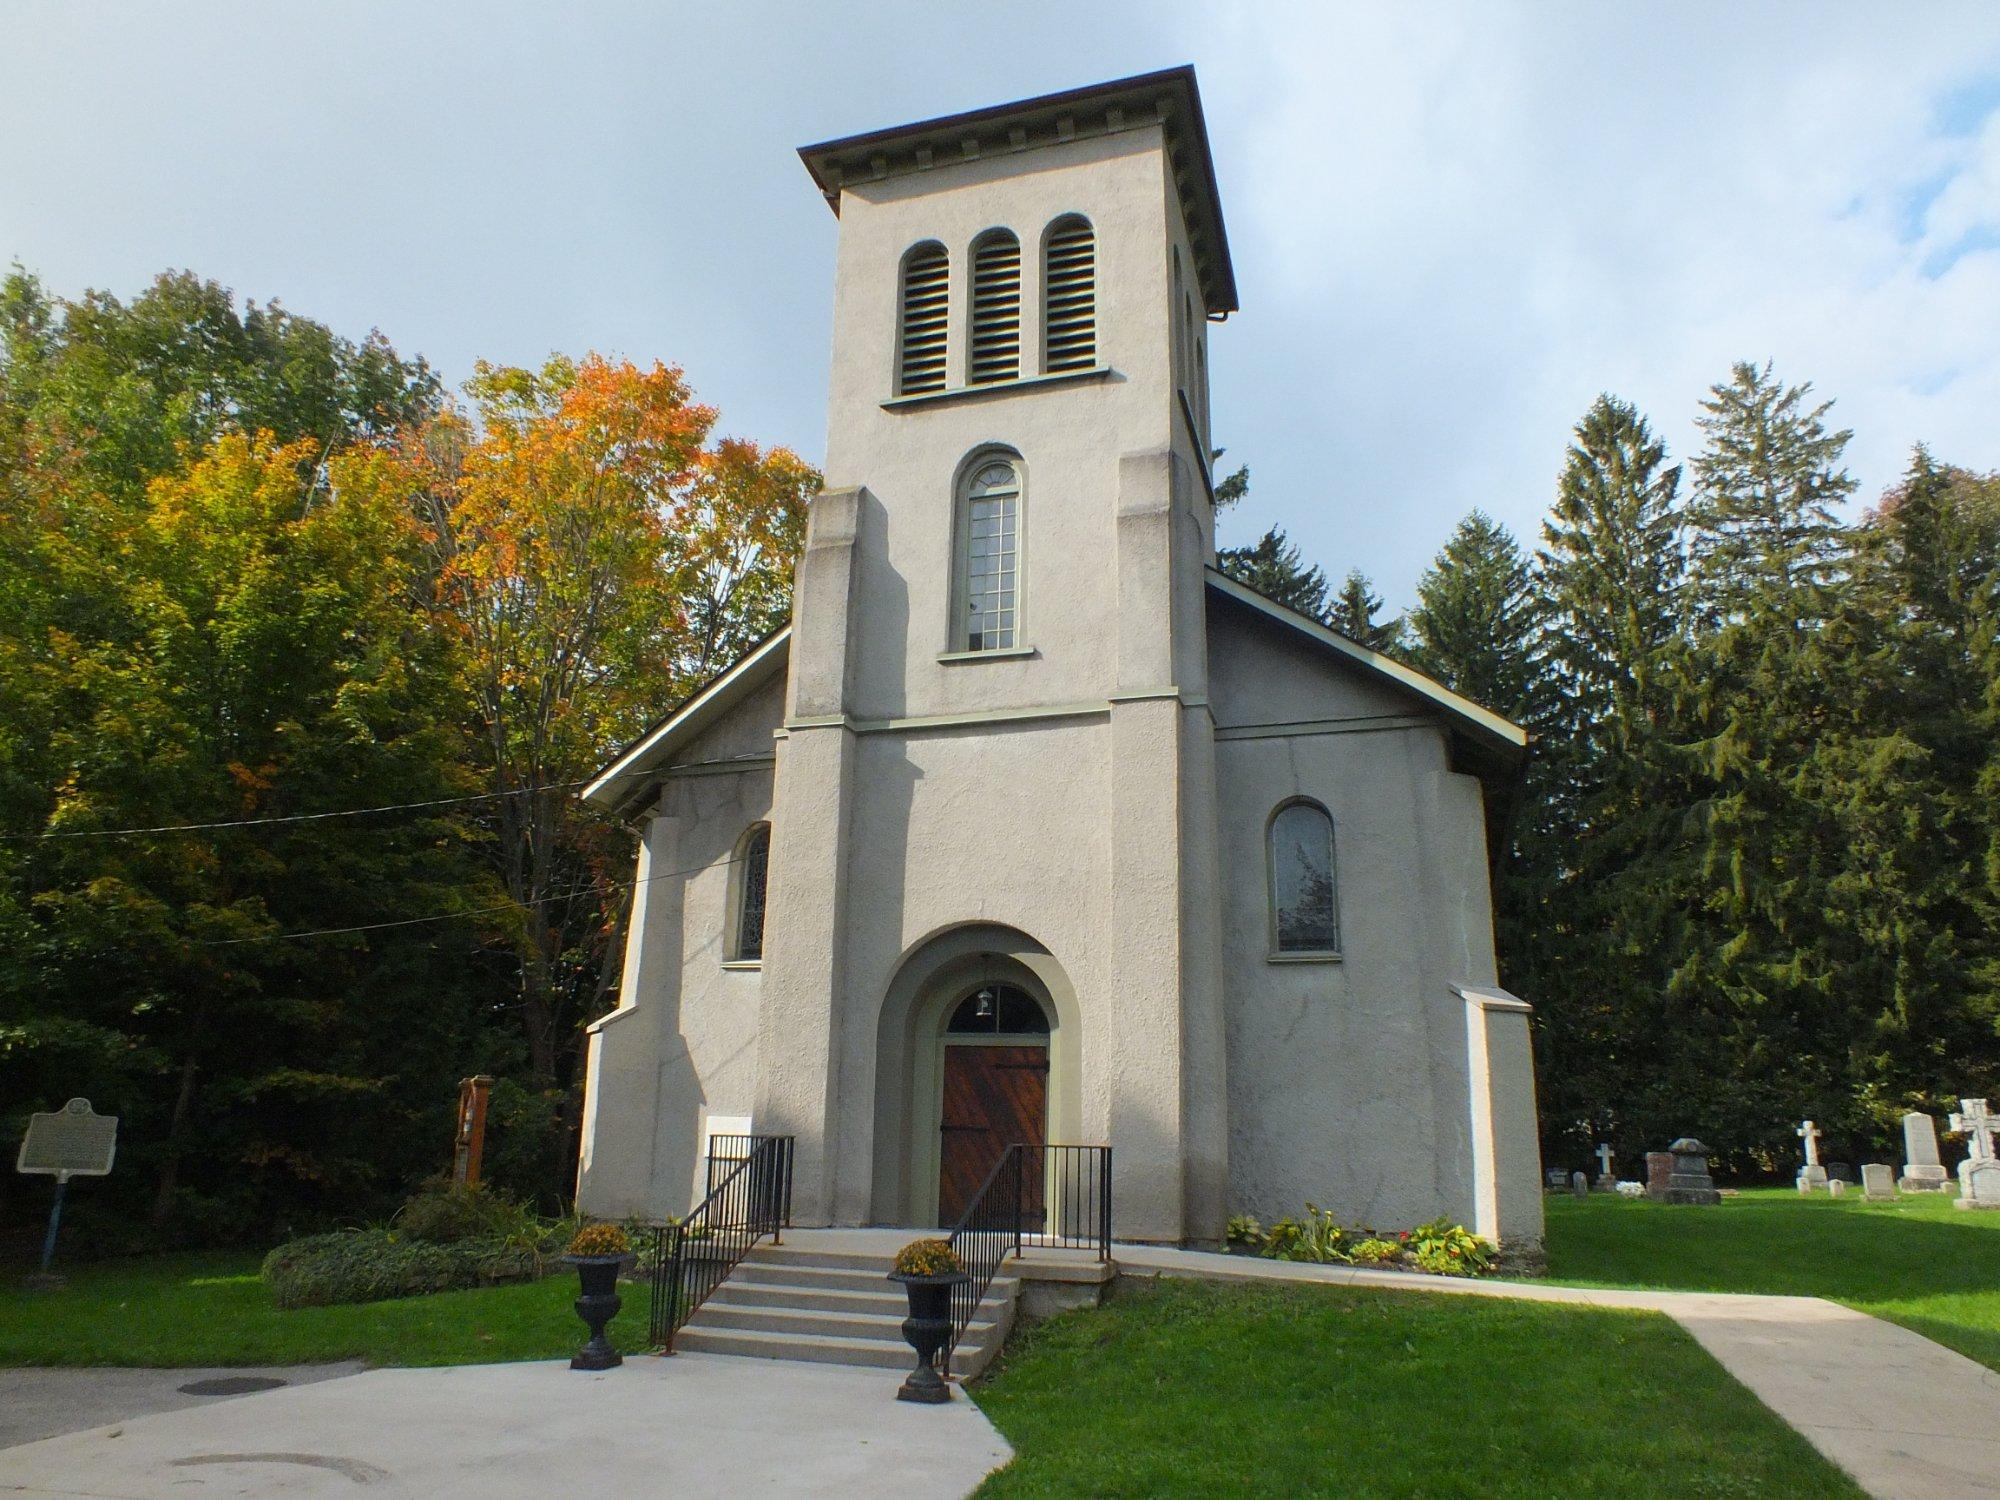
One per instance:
[(681, 1046), (1349, 1083)]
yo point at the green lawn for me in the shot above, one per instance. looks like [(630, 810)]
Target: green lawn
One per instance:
[(1190, 1388), (1917, 1261), (212, 1309)]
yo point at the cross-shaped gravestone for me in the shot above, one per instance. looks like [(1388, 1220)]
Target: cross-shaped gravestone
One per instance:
[(1604, 1158), (1977, 1124), (1809, 1133)]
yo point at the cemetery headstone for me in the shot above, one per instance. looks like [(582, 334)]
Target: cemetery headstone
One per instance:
[(1979, 1173), (1812, 1174), (1836, 1186), (1659, 1172), (1555, 1177), (1606, 1178), (1840, 1171), (1878, 1182), (1690, 1183), (74, 1141), (1579, 1185), (1923, 1168)]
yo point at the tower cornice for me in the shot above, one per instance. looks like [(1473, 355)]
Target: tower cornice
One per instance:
[(1168, 98)]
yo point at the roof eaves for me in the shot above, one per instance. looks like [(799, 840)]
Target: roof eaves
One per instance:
[(627, 778), (1482, 721)]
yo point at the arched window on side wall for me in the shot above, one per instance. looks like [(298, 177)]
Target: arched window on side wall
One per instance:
[(1069, 295), (926, 303), (753, 870), (996, 307), (989, 551), (1305, 907)]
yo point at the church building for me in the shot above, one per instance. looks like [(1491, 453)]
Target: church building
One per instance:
[(1034, 826)]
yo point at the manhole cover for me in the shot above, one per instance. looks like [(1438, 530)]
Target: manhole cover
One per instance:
[(231, 1385)]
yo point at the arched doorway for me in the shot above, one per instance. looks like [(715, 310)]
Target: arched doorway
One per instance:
[(995, 1094), (916, 1040)]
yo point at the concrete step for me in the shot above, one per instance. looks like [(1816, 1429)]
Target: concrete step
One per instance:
[(722, 1312), (891, 1303), (820, 1349), (826, 1260)]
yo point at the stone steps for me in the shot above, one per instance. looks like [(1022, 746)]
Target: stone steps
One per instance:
[(830, 1306)]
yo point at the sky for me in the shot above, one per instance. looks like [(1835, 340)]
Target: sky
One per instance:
[(1453, 225)]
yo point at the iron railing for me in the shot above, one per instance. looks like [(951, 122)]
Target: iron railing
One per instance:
[(752, 1199), (1051, 1197)]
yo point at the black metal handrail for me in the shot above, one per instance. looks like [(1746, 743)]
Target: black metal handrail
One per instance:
[(985, 1235), (1051, 1197), (692, 1258)]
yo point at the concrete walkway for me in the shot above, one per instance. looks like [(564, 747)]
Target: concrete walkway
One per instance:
[(1909, 1419), (691, 1425), (39, 1403)]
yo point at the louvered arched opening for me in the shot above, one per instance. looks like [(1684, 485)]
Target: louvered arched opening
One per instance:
[(996, 307), (1069, 310), (926, 305)]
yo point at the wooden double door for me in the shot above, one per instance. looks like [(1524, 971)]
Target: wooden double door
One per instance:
[(994, 1096)]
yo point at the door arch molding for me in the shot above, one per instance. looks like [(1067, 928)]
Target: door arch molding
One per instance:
[(910, 1041)]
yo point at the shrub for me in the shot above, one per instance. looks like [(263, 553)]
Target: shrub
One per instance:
[(368, 1265), (448, 1213), (1319, 1238), (928, 1258), (1450, 1249), (1244, 1230), (600, 1239)]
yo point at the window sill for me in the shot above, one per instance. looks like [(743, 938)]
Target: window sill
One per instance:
[(1304, 958), (1005, 653), (735, 964), (995, 388)]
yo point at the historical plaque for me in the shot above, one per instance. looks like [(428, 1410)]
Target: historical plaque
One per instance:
[(74, 1141)]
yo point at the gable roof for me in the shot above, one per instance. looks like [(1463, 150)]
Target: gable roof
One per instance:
[(1482, 723), (1168, 97), (628, 778)]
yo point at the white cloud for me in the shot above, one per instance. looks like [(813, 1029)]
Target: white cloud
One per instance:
[(1464, 222)]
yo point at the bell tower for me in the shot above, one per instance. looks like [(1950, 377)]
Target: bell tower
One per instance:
[(998, 655)]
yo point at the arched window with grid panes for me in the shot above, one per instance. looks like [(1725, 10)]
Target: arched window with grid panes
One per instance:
[(996, 307), (988, 592), (1069, 295), (926, 305)]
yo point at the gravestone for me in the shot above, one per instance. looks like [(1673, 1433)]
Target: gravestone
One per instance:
[(1923, 1168), (1606, 1178), (1556, 1177), (1840, 1171), (1659, 1173), (1979, 1173), (1812, 1174), (1579, 1185), (1690, 1183), (1836, 1186), (1878, 1182)]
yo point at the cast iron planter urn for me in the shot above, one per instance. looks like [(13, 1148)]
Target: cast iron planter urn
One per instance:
[(597, 1306), (932, 1271)]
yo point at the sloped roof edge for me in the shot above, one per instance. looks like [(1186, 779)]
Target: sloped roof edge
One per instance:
[(1483, 722), (625, 780)]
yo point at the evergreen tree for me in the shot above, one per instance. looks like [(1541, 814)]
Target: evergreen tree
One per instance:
[(1353, 613), (1586, 901), (1766, 483), (1272, 566), (1611, 567), (1476, 627)]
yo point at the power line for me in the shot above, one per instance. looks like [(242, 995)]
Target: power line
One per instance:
[(316, 817), (476, 911)]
